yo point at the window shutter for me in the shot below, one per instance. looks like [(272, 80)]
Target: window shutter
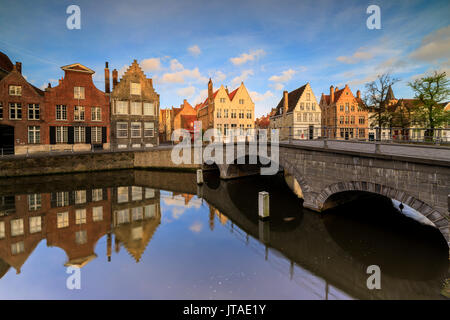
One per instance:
[(70, 139), (52, 135), (104, 135), (88, 134)]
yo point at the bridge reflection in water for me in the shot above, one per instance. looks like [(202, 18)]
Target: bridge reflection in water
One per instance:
[(324, 254)]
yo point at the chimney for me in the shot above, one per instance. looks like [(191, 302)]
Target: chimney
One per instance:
[(358, 94), (49, 85), (115, 75), (285, 101), (331, 94), (210, 90), (336, 89), (107, 86), (226, 90), (19, 67)]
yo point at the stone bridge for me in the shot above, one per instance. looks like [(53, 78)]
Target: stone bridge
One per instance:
[(331, 173)]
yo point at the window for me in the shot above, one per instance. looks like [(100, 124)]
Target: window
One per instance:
[(122, 216), (96, 114), (233, 114), (218, 113), (137, 233), (362, 132), (307, 106), (249, 114), (15, 90), (149, 109), (346, 107), (97, 214), (136, 108), (96, 134), (16, 227), (78, 114), (352, 108), (308, 97), (34, 202), (302, 106), (135, 129), (33, 111), (346, 119), (241, 114), (225, 129), (122, 194), (81, 237), (225, 113), (341, 108), (219, 128), (80, 216), (149, 193), (149, 128), (62, 199), (121, 107), (2, 229), (222, 100), (1, 111), (122, 130), (79, 134), (311, 117), (62, 219), (305, 117), (97, 194), (61, 112), (34, 134), (313, 106), (62, 134), (137, 214), (15, 111), (136, 193), (80, 196), (361, 120), (299, 117), (135, 88), (35, 224), (150, 211), (17, 248), (78, 92), (352, 120), (241, 101)]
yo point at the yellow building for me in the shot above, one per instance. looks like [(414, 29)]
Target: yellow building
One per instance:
[(226, 111)]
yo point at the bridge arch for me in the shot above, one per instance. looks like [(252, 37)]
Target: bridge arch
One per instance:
[(439, 220)]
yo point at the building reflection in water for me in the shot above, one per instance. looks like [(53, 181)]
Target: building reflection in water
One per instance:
[(75, 220)]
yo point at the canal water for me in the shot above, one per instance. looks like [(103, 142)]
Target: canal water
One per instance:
[(157, 235)]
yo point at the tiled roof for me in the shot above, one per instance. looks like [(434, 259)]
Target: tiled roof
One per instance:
[(232, 94), (293, 97)]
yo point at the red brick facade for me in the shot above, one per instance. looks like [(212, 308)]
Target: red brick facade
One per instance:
[(85, 100), (21, 108)]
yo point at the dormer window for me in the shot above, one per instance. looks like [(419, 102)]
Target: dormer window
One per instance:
[(135, 88), (241, 101), (15, 90), (78, 92), (222, 100)]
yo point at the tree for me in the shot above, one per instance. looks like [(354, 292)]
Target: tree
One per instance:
[(430, 91), (376, 100)]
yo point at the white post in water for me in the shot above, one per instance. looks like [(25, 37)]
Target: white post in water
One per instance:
[(199, 176), (263, 205)]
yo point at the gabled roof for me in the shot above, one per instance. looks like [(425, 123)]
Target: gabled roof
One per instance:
[(77, 67), (233, 93), (293, 98), (6, 66)]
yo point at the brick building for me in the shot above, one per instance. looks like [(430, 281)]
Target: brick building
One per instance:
[(77, 112), (135, 109), (22, 126), (343, 116)]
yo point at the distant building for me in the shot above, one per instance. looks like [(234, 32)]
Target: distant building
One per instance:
[(22, 125), (135, 109), (165, 125), (77, 112), (343, 115), (297, 115), (226, 111), (263, 122)]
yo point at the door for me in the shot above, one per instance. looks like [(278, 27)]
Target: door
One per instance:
[(346, 135), (311, 132), (6, 139)]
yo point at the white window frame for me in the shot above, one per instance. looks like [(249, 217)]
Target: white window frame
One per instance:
[(122, 132), (62, 219), (17, 108), (135, 130), (61, 112), (96, 134), (34, 134), (97, 213), (35, 224), (78, 92), (80, 216), (15, 90), (79, 113), (136, 108), (121, 107), (62, 134), (149, 129), (135, 88), (79, 134), (35, 111), (149, 108), (34, 201), (17, 227), (96, 114)]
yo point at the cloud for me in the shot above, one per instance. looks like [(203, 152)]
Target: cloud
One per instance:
[(201, 96), (177, 212), (195, 50), (358, 56), (278, 86), (175, 65), (284, 77), (434, 47), (180, 76), (151, 64), (186, 92), (219, 76), (196, 227), (242, 77), (243, 58), (257, 97)]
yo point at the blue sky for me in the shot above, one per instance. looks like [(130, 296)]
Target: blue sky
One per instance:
[(270, 45)]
